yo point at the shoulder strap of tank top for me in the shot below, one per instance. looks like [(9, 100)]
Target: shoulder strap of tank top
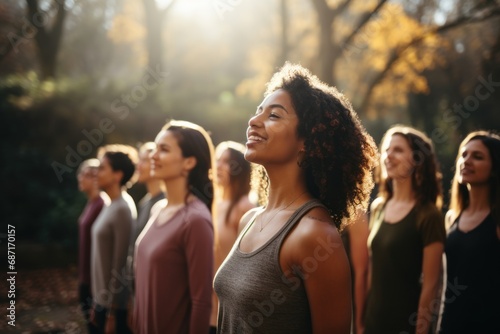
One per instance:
[(251, 221), (299, 213)]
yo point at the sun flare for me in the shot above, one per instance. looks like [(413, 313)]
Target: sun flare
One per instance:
[(185, 7)]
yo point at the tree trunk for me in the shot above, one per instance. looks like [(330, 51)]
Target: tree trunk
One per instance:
[(47, 40), (326, 58), (329, 51), (154, 32), (284, 49)]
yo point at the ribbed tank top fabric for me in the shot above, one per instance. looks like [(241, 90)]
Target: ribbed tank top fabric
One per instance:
[(255, 295)]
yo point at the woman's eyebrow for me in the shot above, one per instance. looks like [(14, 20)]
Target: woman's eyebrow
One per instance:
[(162, 145), (272, 106)]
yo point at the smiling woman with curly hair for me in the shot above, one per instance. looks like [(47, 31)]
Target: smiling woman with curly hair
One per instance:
[(287, 271)]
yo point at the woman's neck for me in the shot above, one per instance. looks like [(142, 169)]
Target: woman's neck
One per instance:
[(93, 194), (177, 191), (114, 192), (154, 187), (225, 193), (479, 198), (402, 191), (282, 190)]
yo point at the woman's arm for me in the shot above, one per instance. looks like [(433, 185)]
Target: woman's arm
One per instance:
[(199, 241), (358, 236), (119, 284), (431, 269), (316, 248)]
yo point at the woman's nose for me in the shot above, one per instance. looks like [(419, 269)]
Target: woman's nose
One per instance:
[(466, 159), (153, 155), (254, 120), (388, 154)]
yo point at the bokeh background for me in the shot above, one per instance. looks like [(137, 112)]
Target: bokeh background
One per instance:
[(78, 74)]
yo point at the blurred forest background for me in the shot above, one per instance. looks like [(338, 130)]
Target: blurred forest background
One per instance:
[(78, 74)]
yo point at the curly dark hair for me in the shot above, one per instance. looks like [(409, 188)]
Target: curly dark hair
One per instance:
[(339, 154), (426, 176), (460, 192)]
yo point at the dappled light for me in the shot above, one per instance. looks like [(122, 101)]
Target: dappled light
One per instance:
[(77, 75)]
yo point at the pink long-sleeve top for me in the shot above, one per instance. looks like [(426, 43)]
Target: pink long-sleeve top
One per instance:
[(174, 271)]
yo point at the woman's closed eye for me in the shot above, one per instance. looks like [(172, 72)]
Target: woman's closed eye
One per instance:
[(272, 114)]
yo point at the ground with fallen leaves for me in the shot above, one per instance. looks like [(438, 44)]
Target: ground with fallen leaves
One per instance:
[(46, 302)]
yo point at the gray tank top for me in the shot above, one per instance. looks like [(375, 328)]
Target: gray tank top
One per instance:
[(255, 296)]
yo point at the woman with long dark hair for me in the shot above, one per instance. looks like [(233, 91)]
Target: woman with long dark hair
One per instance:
[(472, 297), (174, 252), (406, 236)]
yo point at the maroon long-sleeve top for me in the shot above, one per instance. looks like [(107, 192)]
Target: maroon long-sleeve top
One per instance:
[(174, 265), (85, 222)]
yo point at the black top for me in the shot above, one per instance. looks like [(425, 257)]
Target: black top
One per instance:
[(472, 303), (397, 256)]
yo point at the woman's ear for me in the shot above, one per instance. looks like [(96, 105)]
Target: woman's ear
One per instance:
[(300, 157), (118, 176), (189, 163)]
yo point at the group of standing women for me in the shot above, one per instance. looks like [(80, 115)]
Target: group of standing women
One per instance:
[(282, 267), (407, 240), (177, 252)]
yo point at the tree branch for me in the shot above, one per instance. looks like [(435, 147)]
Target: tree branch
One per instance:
[(397, 52), (364, 20), (327, 14), (340, 8)]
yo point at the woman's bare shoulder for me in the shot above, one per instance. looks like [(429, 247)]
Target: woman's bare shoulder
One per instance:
[(315, 235), (314, 226), (245, 219)]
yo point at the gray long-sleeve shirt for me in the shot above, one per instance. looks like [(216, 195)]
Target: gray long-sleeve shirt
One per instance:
[(110, 240)]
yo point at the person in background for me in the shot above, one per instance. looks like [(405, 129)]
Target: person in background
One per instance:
[(288, 271), (87, 184), (355, 237), (155, 192), (155, 187), (110, 239), (472, 295), (233, 183), (406, 236), (174, 252)]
